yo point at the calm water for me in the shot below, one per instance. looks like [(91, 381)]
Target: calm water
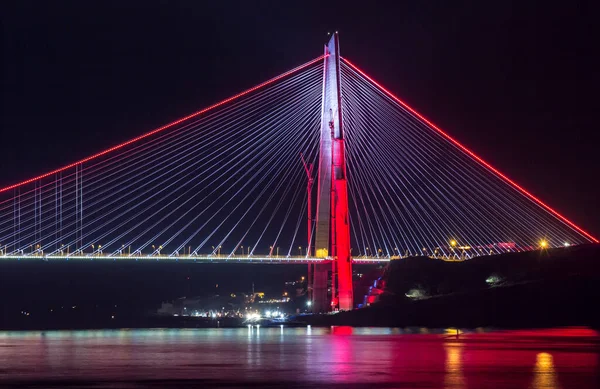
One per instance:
[(337, 357)]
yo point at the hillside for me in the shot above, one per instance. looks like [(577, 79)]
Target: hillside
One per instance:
[(531, 289)]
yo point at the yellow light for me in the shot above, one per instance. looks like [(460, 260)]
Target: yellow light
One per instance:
[(322, 253), (452, 243), (543, 244)]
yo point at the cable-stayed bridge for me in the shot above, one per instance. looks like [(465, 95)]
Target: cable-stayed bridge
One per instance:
[(319, 165)]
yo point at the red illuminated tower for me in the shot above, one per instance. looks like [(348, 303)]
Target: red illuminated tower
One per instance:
[(332, 234)]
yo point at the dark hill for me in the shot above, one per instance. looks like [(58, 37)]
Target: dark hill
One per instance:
[(530, 289), (437, 277)]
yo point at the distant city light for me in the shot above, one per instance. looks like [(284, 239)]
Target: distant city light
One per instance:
[(272, 301), (253, 316), (309, 303), (566, 244), (543, 244)]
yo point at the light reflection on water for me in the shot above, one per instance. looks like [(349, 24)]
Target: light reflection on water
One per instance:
[(453, 377), (307, 356), (544, 373)]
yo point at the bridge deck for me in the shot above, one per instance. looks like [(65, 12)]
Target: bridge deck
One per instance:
[(187, 258)]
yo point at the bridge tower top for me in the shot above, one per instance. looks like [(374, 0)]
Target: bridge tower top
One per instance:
[(331, 127)]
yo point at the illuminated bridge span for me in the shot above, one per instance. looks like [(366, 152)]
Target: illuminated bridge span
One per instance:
[(192, 258), (319, 165)]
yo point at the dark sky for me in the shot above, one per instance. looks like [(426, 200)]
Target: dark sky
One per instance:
[(515, 82)]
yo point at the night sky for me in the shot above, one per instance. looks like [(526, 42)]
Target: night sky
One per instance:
[(513, 82)]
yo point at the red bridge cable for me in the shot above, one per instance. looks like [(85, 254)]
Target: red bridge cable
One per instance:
[(157, 130), (472, 154)]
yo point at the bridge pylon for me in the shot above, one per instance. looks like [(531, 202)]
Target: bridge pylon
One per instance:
[(332, 233)]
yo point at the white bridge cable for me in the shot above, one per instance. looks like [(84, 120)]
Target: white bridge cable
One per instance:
[(485, 182), (291, 171), (377, 158), (174, 200), (477, 208), (297, 173), (152, 153), (275, 150), (314, 153), (111, 196), (296, 124), (224, 165), (231, 100), (421, 171), (357, 177), (315, 70)]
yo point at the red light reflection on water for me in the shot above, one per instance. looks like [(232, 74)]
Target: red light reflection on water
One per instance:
[(342, 330), (506, 359)]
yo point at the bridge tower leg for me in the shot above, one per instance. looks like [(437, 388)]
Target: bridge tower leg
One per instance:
[(332, 235)]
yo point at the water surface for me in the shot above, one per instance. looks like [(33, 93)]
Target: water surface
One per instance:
[(337, 357)]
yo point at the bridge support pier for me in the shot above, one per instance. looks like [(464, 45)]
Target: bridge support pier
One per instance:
[(320, 302)]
